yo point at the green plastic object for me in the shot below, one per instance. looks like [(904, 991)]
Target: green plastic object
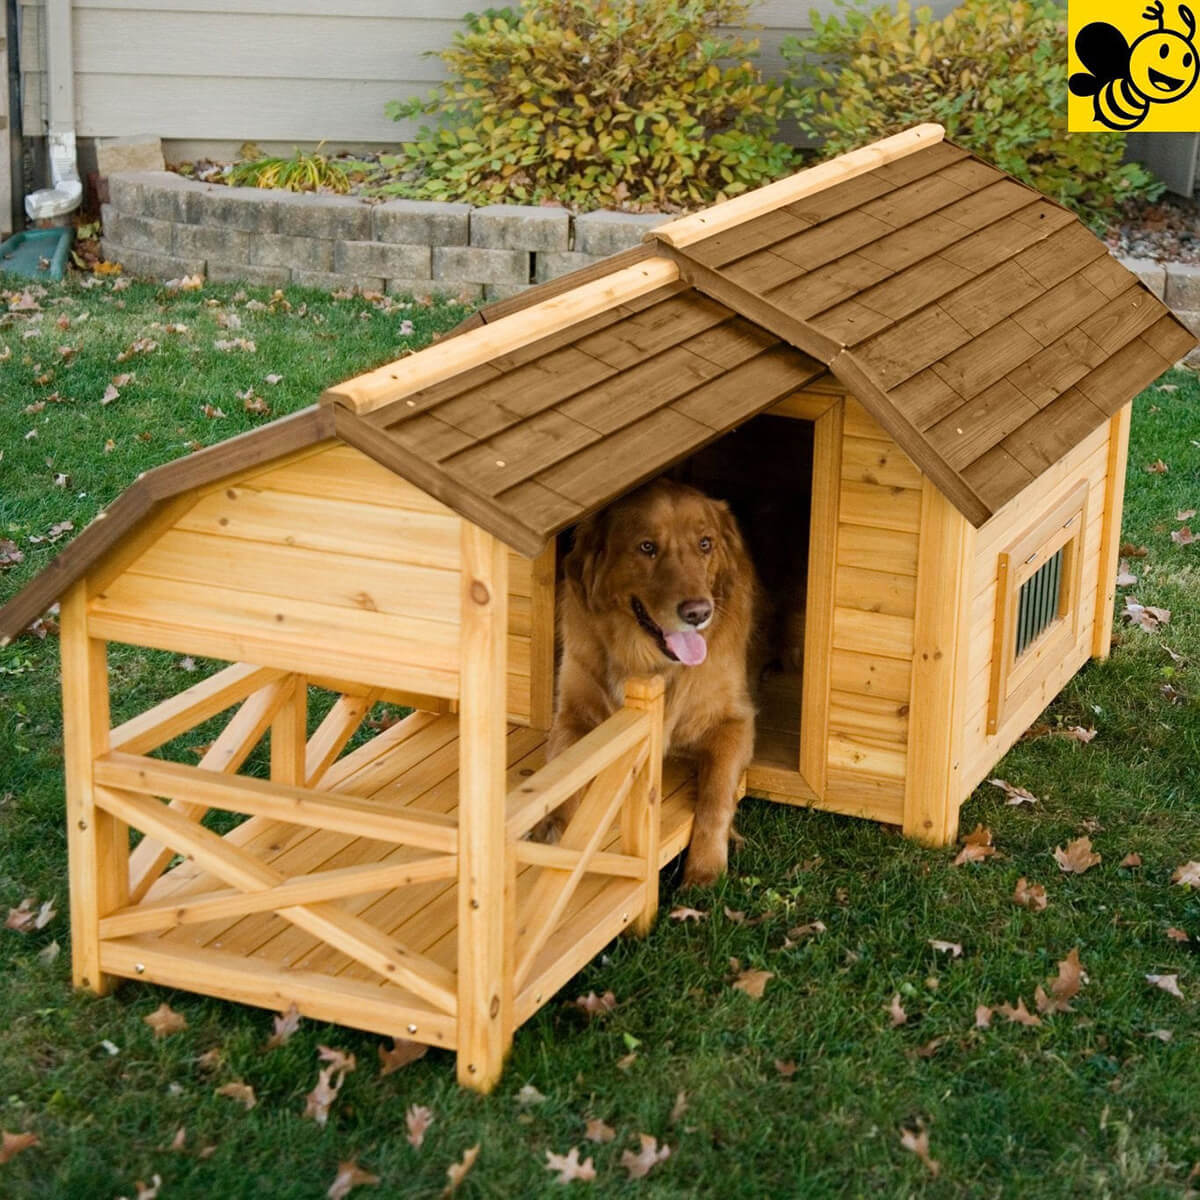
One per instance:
[(37, 253)]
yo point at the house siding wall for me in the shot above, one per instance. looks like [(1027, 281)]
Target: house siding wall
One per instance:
[(213, 71)]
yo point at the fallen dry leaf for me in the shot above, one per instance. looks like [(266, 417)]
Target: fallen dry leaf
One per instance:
[(529, 1095), (786, 1069), (318, 1102), (339, 1060), (1188, 875), (1145, 615), (1177, 935), (188, 283), (1183, 537), (1019, 1015), (1163, 1035), (111, 393), (683, 913), (11, 1144), (1125, 577), (651, 1154), (1168, 983), (1079, 734), (1158, 467), (1077, 857), (954, 949), (678, 1108), (569, 1168), (917, 1140), (598, 1131), (285, 1025), (896, 1011), (350, 1175), (1030, 895), (1014, 794), (1062, 989), (457, 1172), (164, 1020), (147, 1191), (418, 1119), (237, 1090), (753, 982), (799, 932), (593, 1005), (983, 1017), (1132, 859), (1185, 514), (977, 845), (400, 1055)]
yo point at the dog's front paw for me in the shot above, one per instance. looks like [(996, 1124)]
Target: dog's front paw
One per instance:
[(705, 865)]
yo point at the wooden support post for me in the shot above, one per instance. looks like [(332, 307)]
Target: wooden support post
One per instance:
[(485, 868), (289, 736), (642, 811), (822, 572), (933, 775), (541, 646), (1110, 534), (97, 842)]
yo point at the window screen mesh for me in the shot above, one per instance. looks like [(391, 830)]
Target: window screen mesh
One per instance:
[(1037, 605)]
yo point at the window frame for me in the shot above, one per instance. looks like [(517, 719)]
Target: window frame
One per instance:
[(1014, 679)]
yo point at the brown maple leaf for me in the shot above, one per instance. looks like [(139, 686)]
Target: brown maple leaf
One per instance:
[(786, 1069), (400, 1055), (285, 1025), (598, 1131), (237, 1090), (457, 1172), (896, 1011), (1077, 857), (1132, 859), (1184, 536), (649, 1156), (917, 1140), (983, 1017), (799, 932), (593, 1006), (318, 1102), (1177, 935), (164, 1020), (1168, 983), (687, 914), (1188, 875), (1064, 988), (1030, 895), (1019, 1015), (350, 1175), (569, 1168), (418, 1119), (11, 1144), (977, 845), (1145, 615), (753, 982), (339, 1060)]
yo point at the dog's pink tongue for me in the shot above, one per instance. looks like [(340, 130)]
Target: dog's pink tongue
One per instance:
[(689, 647)]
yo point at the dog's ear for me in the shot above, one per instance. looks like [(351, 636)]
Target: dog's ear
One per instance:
[(585, 565), (731, 551)]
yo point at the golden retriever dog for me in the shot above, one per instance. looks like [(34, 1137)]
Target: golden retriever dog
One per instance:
[(660, 583)]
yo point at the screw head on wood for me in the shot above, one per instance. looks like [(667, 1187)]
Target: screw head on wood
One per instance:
[(140, 968), (412, 1029)]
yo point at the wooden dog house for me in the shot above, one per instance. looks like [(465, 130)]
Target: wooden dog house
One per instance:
[(943, 361)]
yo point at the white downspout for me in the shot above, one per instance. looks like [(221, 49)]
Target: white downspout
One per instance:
[(67, 191)]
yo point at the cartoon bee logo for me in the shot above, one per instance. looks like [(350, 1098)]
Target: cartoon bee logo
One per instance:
[(1124, 80)]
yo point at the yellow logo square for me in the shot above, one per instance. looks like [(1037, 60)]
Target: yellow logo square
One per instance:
[(1132, 70)]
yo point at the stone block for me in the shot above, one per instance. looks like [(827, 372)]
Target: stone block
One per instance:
[(503, 291), (1153, 274), (1183, 286), (605, 233), (418, 289), (328, 281), (413, 222), (160, 195), (137, 233), (470, 264), (146, 264), (1191, 318), (336, 218), (138, 152), (221, 272), (551, 264), (381, 258), (212, 241), (248, 210), (284, 250), (520, 227)]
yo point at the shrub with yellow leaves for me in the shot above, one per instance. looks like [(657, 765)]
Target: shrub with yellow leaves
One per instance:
[(993, 72), (648, 104)]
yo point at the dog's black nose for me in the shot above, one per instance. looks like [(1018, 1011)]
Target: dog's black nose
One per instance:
[(696, 612)]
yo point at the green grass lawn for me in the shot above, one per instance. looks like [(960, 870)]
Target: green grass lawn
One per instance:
[(1093, 1102)]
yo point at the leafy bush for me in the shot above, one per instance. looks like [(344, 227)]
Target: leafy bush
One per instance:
[(993, 72), (595, 103), (300, 173)]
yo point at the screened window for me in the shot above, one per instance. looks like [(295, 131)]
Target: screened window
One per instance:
[(1037, 603)]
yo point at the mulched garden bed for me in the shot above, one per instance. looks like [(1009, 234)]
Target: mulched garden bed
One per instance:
[(1167, 230)]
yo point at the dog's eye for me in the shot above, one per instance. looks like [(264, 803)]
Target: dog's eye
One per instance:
[(648, 548), (705, 544)]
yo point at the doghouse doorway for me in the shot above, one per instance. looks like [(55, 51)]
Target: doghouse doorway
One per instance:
[(764, 469)]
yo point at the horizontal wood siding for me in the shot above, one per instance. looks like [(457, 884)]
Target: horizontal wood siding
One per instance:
[(314, 565), (1089, 460), (875, 600), (271, 70)]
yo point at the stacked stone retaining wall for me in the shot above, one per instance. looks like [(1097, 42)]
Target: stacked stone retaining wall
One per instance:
[(161, 225)]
